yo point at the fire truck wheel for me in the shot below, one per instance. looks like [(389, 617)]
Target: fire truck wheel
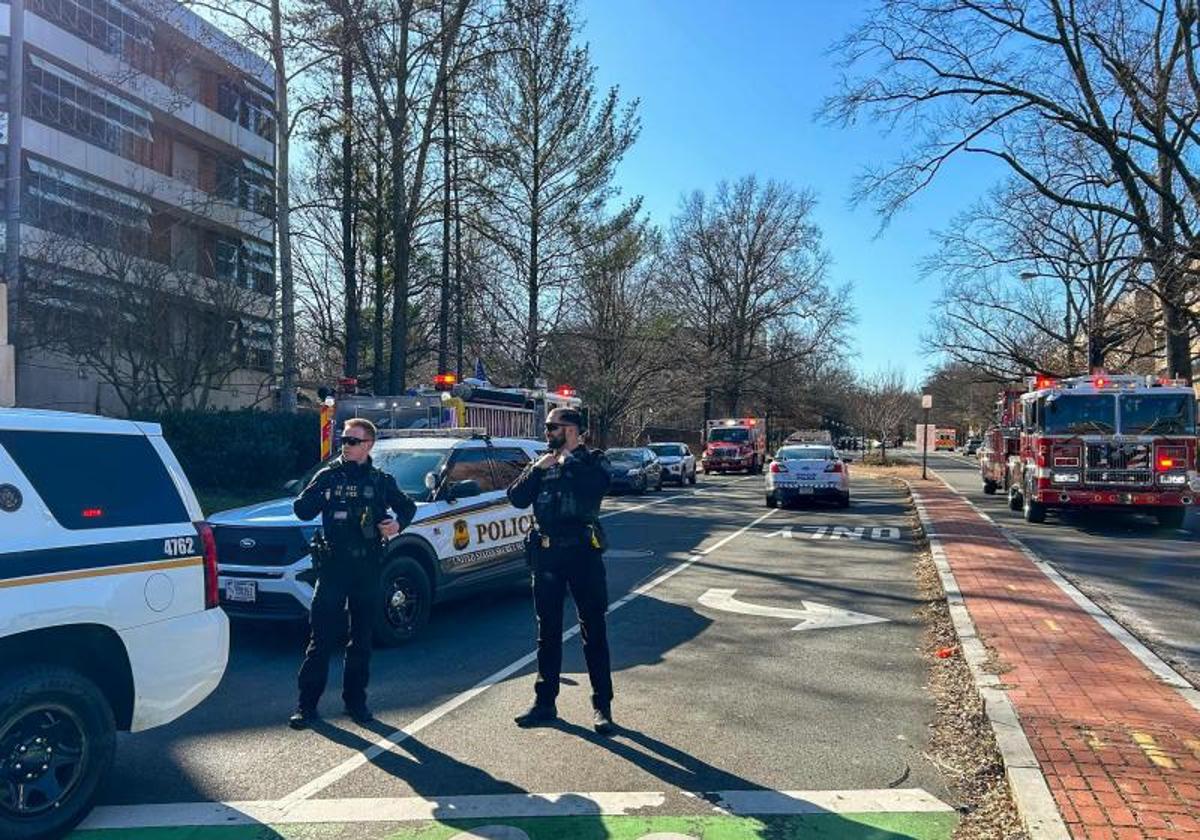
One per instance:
[(989, 487), (1170, 517), (1014, 498), (1034, 512)]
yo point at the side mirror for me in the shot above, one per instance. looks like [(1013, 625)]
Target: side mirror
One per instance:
[(463, 490), (430, 481), (293, 487)]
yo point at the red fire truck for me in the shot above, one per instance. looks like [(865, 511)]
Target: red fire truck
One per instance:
[(1117, 442), (998, 456), (734, 444)]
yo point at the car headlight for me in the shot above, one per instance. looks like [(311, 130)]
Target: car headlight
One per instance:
[(632, 472), (1172, 478), (1065, 477)]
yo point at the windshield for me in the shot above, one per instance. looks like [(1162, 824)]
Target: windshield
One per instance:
[(666, 449), (407, 466), (1158, 414), (1080, 414), (625, 456), (729, 435), (805, 453)]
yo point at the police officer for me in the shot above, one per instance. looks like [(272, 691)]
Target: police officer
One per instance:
[(352, 496), (565, 487)]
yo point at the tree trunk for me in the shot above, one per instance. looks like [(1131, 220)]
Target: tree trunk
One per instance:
[(377, 246), (444, 307), (353, 325), (283, 225), (398, 366), (458, 289)]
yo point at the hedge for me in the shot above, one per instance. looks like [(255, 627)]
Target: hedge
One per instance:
[(241, 450)]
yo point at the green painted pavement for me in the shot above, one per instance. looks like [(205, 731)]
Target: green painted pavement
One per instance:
[(895, 826)]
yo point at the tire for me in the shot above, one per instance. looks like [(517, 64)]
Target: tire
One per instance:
[(400, 619), (1170, 517), (844, 500), (771, 502), (1034, 512), (31, 701), (1014, 499), (658, 487), (692, 477), (640, 486), (989, 487)]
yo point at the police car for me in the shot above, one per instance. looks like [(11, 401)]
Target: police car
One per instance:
[(466, 535), (808, 471), (108, 596)]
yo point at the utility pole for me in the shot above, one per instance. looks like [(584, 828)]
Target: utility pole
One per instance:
[(926, 404), (11, 299)]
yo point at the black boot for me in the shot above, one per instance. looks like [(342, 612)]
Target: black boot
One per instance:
[(602, 721), (360, 714), (539, 714), (302, 718)]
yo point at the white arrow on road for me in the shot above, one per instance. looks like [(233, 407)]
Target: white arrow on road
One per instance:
[(814, 616)]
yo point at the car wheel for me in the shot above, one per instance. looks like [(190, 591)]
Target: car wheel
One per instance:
[(57, 740), (692, 477), (989, 487), (1034, 512), (844, 500), (1170, 517), (406, 597), (659, 485), (1014, 498), (771, 500)]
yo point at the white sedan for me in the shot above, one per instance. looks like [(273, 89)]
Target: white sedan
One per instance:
[(806, 472), (678, 462)]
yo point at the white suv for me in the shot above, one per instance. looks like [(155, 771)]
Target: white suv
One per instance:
[(466, 536), (108, 599)]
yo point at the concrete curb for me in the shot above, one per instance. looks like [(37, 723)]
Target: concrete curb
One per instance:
[(1035, 804)]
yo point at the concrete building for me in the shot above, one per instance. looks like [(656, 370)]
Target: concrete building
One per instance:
[(140, 152)]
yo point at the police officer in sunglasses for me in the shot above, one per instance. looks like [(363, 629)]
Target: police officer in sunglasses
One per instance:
[(565, 487), (352, 496)]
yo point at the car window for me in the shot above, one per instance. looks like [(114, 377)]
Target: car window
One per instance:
[(409, 467), (93, 480), (473, 465), (667, 449), (802, 453), (625, 456), (507, 463)]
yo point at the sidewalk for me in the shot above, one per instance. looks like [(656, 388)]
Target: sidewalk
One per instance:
[(1119, 748)]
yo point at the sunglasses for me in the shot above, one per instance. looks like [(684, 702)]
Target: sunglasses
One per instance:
[(352, 441), (550, 427)]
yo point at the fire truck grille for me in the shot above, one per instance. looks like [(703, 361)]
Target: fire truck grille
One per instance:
[(1118, 463)]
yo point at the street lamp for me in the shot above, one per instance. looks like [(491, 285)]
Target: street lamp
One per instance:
[(926, 404)]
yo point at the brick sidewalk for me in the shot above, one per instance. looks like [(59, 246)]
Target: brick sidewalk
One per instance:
[(1119, 748)]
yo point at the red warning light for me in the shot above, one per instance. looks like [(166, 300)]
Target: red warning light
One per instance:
[(1099, 381), (565, 391), (1043, 382), (92, 513), (1166, 463), (444, 381)]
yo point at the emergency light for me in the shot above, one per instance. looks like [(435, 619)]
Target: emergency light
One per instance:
[(565, 391), (444, 381)]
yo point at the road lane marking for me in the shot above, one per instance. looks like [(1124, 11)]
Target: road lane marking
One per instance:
[(813, 616), (837, 532), (386, 743), (504, 806), (686, 495)]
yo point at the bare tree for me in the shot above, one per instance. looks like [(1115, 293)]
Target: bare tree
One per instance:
[(1072, 97), (549, 144), (883, 405), (749, 265)]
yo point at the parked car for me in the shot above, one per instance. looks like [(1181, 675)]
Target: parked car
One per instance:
[(466, 536), (972, 446), (803, 473), (636, 469), (108, 606), (678, 462)]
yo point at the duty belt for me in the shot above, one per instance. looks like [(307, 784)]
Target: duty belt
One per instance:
[(586, 537)]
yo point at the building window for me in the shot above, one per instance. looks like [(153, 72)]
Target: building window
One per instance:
[(225, 259), (255, 343), (80, 207), (59, 98), (248, 110), (248, 184), (108, 24), (249, 264)]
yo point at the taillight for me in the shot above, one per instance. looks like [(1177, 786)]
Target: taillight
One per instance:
[(833, 466), (777, 467), (212, 596)]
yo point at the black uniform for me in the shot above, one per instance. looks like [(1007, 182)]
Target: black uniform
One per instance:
[(352, 499), (565, 550)]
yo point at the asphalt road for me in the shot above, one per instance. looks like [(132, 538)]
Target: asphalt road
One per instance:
[(1145, 577), (715, 690)]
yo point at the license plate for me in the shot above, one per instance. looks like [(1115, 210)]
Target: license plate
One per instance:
[(804, 491), (808, 478), (241, 590)]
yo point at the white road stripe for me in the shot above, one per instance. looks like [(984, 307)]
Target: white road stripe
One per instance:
[(685, 495), (505, 806), (384, 744)]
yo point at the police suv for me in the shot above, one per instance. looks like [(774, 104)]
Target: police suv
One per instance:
[(108, 601), (466, 535)]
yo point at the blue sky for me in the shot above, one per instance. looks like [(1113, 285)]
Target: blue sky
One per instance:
[(729, 88)]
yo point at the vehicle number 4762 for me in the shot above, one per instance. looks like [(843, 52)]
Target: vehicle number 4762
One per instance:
[(179, 546)]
